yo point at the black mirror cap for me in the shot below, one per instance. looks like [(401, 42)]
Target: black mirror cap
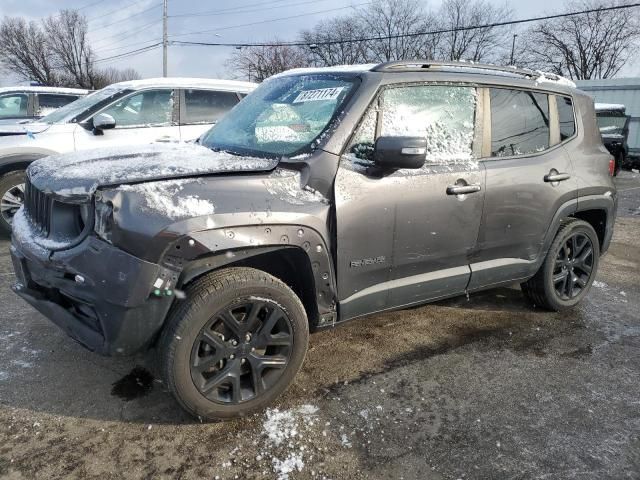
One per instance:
[(400, 152)]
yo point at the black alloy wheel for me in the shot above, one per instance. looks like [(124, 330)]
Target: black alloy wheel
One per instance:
[(573, 266), (242, 351)]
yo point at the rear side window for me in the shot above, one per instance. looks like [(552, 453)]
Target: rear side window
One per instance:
[(566, 118), (206, 106), (47, 102), (519, 122), (13, 105)]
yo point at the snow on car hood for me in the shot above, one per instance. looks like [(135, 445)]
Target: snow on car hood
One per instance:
[(76, 176), (23, 128)]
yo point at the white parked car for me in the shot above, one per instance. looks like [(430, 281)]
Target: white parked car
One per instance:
[(126, 113), (23, 103)]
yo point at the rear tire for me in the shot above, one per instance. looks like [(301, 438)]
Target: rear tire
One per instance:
[(568, 271), (234, 344), (11, 198)]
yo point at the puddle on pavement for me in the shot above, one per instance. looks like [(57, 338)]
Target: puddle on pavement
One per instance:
[(135, 384)]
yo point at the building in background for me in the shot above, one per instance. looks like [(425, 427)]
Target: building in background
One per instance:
[(625, 91)]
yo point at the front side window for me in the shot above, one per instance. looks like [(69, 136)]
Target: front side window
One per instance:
[(144, 109), (206, 106), (283, 116), (48, 102), (443, 114), (566, 118), (519, 122), (86, 106), (13, 105)]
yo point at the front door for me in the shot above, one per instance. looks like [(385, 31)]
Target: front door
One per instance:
[(405, 237), (141, 118), (529, 178)]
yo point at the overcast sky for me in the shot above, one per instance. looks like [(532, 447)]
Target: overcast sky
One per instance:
[(122, 25)]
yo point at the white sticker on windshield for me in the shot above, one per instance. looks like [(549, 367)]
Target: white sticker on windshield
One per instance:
[(320, 94)]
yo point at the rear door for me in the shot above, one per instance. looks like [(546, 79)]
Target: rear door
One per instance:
[(405, 237), (201, 109), (529, 178), (142, 117)]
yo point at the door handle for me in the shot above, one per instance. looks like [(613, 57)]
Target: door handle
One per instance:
[(462, 189), (556, 177)]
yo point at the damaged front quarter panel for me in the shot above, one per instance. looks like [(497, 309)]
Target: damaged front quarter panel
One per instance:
[(194, 225)]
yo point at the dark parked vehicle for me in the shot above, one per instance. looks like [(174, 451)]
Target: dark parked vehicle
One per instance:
[(613, 123), (324, 196), (20, 104)]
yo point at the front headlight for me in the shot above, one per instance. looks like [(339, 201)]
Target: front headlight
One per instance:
[(104, 220)]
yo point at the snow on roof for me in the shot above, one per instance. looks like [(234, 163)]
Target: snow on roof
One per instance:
[(30, 89), (609, 106), (335, 69), (181, 82), (546, 77)]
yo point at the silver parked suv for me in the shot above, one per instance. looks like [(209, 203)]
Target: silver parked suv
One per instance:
[(326, 195)]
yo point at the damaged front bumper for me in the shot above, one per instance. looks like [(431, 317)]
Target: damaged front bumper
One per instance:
[(100, 295)]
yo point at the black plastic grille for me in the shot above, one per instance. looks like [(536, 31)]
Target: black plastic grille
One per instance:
[(37, 206)]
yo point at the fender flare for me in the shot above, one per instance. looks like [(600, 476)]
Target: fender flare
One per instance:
[(19, 160), (208, 250)]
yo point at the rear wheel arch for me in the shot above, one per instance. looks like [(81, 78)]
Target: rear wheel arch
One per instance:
[(597, 218)]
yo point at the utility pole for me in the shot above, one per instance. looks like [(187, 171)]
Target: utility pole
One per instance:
[(513, 48), (165, 41)]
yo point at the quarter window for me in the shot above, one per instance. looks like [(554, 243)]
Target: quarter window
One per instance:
[(205, 106), (144, 109), (442, 114), (13, 105), (566, 118), (519, 122)]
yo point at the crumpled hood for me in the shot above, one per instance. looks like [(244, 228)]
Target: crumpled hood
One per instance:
[(76, 176), (22, 128)]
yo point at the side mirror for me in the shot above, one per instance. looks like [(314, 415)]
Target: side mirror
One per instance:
[(103, 121), (392, 153)]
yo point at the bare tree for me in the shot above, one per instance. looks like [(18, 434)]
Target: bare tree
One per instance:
[(476, 44), (332, 42), (107, 76), (592, 45), (396, 23), (25, 51), (67, 38), (258, 63)]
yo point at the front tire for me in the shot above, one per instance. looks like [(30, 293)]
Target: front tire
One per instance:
[(11, 198), (569, 269), (234, 344)]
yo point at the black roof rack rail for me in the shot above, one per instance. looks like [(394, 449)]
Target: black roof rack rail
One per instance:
[(422, 65)]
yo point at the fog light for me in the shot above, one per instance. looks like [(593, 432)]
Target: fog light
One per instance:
[(79, 279)]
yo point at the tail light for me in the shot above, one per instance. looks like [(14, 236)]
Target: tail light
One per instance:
[(612, 166)]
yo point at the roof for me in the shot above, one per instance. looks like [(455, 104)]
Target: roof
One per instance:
[(30, 89), (181, 82), (436, 66)]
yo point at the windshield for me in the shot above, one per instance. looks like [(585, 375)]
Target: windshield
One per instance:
[(611, 123), (84, 106), (282, 117)]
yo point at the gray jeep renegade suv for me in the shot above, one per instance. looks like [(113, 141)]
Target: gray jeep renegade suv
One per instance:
[(325, 195)]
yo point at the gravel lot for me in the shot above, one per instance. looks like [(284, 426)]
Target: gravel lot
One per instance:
[(478, 388)]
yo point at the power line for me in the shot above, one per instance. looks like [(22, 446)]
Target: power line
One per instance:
[(267, 21), (122, 47), (119, 9), (391, 37), (236, 10), (132, 32), (102, 27)]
